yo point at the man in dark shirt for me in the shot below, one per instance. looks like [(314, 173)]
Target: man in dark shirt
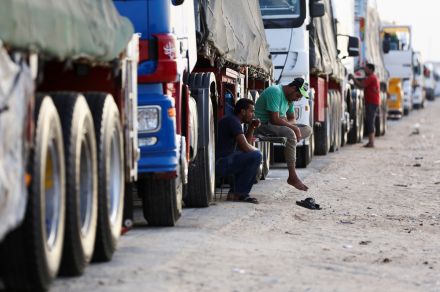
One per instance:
[(371, 88), (236, 156)]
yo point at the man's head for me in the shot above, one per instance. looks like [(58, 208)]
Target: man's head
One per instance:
[(296, 89), (244, 109), (369, 69)]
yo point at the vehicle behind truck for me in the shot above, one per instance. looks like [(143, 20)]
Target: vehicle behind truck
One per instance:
[(67, 146), (197, 58), (418, 85), (398, 58)]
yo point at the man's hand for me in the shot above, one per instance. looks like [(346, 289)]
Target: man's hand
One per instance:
[(297, 133), (255, 123)]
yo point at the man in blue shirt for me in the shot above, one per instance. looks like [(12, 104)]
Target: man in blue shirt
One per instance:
[(274, 108), (235, 154)]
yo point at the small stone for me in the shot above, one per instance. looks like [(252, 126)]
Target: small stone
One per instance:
[(386, 260)]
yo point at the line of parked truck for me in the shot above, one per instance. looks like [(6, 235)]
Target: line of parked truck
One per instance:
[(108, 103)]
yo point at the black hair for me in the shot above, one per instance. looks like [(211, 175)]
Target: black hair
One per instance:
[(241, 104), (371, 66)]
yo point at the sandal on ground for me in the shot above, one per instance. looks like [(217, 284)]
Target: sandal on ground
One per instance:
[(308, 203), (244, 199), (368, 145), (249, 199)]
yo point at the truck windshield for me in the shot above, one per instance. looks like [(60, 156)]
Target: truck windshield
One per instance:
[(281, 13), (398, 38)]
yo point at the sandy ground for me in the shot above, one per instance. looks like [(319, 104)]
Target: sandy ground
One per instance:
[(379, 229)]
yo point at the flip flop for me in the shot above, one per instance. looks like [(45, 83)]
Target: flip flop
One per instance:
[(308, 203), (249, 199), (245, 199)]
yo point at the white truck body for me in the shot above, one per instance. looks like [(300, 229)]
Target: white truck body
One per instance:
[(289, 48)]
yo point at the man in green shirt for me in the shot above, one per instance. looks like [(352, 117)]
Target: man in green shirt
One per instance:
[(274, 108)]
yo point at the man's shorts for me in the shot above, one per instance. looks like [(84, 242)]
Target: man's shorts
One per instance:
[(370, 117)]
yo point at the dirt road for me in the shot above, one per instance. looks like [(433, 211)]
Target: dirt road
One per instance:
[(379, 229)]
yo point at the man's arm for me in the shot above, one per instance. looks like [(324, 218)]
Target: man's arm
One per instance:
[(250, 131), (291, 118), (275, 119), (358, 83), (243, 143), (361, 83)]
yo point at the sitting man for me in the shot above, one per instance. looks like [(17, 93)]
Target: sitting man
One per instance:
[(243, 162), (274, 108)]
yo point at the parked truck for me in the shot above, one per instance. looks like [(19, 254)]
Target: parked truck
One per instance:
[(303, 41), (367, 28), (67, 143), (196, 58), (418, 85), (398, 58)]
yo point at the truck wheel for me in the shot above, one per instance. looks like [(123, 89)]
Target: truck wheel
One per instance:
[(201, 177), (378, 122), (161, 200), (266, 160), (344, 126), (81, 187), (361, 121), (322, 135), (385, 121), (355, 114), (335, 121), (31, 254), (108, 134), (259, 173)]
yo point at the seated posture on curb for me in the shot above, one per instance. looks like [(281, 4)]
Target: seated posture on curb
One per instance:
[(243, 162), (274, 108)]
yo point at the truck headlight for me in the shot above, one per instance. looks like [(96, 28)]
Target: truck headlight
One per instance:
[(149, 119)]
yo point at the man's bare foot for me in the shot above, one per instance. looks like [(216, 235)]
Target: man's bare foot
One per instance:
[(297, 183)]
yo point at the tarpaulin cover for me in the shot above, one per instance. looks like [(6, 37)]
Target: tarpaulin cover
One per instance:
[(235, 29), (323, 46), (373, 49), (90, 29), (16, 86)]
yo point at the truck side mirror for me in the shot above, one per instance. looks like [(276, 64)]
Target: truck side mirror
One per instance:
[(317, 9), (177, 2), (353, 46)]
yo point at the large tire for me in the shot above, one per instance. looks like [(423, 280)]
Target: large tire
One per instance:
[(384, 119), (356, 111), (266, 160), (81, 187), (378, 122), (31, 254), (335, 121), (361, 121), (303, 157), (322, 135), (108, 133), (201, 176), (344, 126), (161, 200)]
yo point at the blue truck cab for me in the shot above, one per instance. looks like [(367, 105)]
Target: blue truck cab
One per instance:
[(157, 65), (167, 53)]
